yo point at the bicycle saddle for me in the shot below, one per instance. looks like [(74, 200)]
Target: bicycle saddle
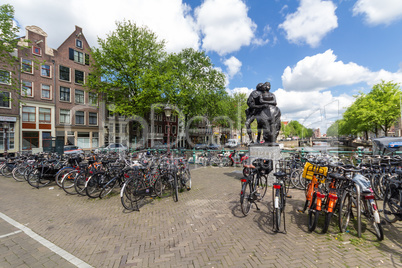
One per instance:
[(280, 174)]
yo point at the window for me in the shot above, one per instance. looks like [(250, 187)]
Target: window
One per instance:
[(36, 51), (78, 43), (95, 139), (27, 66), (78, 57), (5, 77), (64, 73), (79, 96), (30, 140), (64, 116), (93, 118), (173, 130), (10, 137), (117, 128), (93, 98), (28, 114), (79, 118), (45, 93), (83, 140), (45, 71), (5, 100), (64, 94), (79, 77), (27, 89), (44, 115)]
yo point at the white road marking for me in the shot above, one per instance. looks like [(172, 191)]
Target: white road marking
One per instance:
[(59, 251)]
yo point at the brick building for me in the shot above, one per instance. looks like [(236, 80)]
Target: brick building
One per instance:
[(53, 101)]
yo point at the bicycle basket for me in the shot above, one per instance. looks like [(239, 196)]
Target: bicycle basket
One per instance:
[(310, 170)]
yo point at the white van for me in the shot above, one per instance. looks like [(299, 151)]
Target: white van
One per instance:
[(232, 143)]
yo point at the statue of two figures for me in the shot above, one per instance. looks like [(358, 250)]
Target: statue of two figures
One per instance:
[(262, 107)]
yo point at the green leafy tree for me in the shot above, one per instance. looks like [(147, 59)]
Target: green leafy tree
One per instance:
[(333, 130), (384, 99), (8, 49), (126, 66), (194, 84), (371, 112)]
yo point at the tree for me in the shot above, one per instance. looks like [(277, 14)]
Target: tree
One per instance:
[(376, 110), (333, 130), (194, 84), (294, 128), (127, 68), (384, 99), (8, 49)]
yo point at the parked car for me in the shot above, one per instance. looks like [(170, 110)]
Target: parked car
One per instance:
[(214, 146), (201, 146), (232, 143), (113, 147), (72, 149)]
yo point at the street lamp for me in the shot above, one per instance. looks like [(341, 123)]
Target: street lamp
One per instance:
[(168, 113)]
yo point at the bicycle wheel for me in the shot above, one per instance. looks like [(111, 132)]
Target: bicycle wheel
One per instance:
[(277, 202), (79, 183), (19, 174), (158, 187), (7, 170), (127, 194), (60, 174), (186, 180), (369, 213), (175, 189), (391, 199), (345, 206), (92, 187), (313, 216), (67, 182), (36, 179), (33, 178), (108, 188), (245, 202), (262, 185), (328, 216), (295, 179), (375, 185)]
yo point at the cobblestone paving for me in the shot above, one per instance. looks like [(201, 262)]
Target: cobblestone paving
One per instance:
[(204, 229)]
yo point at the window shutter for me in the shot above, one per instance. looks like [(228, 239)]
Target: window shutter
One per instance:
[(86, 59), (71, 54)]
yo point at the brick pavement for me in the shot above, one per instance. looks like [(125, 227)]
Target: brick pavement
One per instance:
[(204, 229)]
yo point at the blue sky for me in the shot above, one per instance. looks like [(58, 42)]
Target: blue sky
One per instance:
[(315, 53)]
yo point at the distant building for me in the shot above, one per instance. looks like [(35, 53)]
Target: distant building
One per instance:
[(317, 133)]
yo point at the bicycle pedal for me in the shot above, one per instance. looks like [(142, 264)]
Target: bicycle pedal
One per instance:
[(300, 211), (380, 210), (288, 196)]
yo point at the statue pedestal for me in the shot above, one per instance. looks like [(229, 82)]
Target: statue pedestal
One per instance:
[(268, 152)]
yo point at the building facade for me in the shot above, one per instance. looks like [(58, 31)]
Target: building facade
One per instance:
[(51, 101)]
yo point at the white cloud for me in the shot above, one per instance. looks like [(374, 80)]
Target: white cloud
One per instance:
[(379, 11), (311, 22), (313, 109), (170, 20), (225, 25), (233, 66), (244, 90), (323, 71)]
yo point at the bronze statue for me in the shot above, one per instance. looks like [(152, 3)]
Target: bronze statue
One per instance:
[(262, 106)]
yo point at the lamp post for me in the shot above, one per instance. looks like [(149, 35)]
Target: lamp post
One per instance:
[(168, 113)]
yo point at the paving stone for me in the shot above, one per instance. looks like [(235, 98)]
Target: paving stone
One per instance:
[(205, 228)]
